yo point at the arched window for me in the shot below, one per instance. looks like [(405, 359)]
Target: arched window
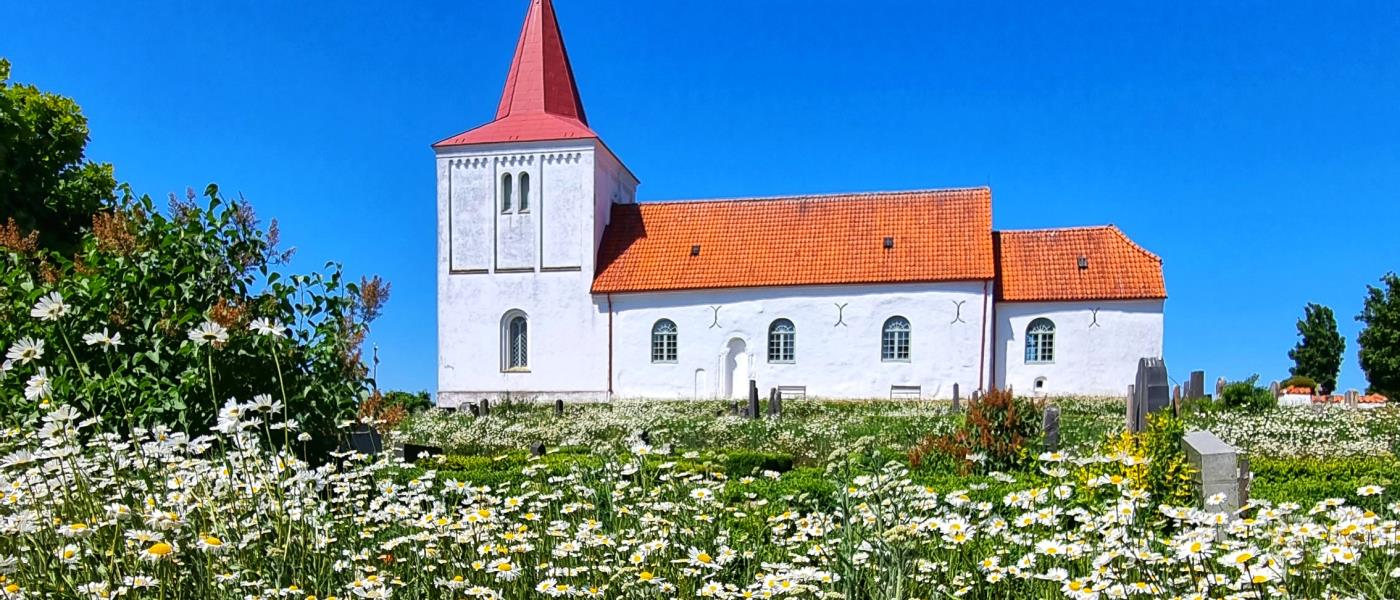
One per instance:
[(515, 342), (894, 340), (506, 189), (524, 192), (1040, 341), (782, 342), (663, 342)]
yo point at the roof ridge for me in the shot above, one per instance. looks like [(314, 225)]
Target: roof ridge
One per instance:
[(1108, 226), (831, 196)]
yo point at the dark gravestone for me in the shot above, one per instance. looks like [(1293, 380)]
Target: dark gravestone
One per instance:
[(559, 407), (753, 399), (734, 408), (1052, 428), (957, 399), (645, 437), (1176, 395), (475, 410), (775, 403), (365, 440), (485, 407), (537, 449), (1196, 385), (413, 452), (1151, 392)]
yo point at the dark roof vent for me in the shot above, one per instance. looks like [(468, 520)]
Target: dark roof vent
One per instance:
[(695, 250), (889, 243), (1083, 263)]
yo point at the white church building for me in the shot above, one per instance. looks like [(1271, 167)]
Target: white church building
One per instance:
[(555, 281)]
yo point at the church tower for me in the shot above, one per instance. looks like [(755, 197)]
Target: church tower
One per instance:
[(522, 204)]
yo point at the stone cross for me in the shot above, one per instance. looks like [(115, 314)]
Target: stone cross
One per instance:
[(957, 400), (1051, 426)]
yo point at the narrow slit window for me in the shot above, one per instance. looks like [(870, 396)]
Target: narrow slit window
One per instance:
[(516, 343), (506, 189), (524, 192)]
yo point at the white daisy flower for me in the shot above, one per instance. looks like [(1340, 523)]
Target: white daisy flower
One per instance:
[(268, 327), (208, 332), (26, 350), (50, 308), (108, 341)]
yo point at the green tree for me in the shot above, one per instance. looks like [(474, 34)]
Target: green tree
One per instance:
[(1318, 355), (46, 185), (1380, 337)]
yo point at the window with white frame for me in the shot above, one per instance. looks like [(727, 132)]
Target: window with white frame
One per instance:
[(894, 340), (663, 341), (506, 189), (515, 342), (524, 192), (782, 342), (1040, 341)]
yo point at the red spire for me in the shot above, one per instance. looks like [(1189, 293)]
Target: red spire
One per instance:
[(540, 100)]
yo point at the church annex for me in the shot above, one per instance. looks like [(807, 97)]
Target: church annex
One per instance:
[(555, 281)]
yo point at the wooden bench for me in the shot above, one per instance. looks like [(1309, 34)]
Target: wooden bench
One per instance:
[(789, 392), (906, 392)]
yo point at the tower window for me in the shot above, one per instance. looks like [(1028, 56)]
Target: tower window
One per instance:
[(782, 342), (1040, 341), (506, 189), (524, 192), (894, 340), (663, 341), (515, 342)]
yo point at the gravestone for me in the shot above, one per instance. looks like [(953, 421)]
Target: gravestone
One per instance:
[(1176, 395), (957, 400), (1353, 398), (1196, 385), (775, 403), (365, 439), (1051, 426), (1150, 392), (1218, 471), (1275, 389), (485, 407), (753, 399), (537, 449), (475, 409), (645, 437), (734, 408), (976, 395), (1219, 388), (559, 407)]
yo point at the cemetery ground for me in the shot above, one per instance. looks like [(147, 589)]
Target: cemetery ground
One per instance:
[(640, 499)]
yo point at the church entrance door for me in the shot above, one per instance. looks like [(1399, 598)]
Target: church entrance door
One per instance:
[(736, 368)]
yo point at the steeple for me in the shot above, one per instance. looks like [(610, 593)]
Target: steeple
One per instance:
[(540, 100)]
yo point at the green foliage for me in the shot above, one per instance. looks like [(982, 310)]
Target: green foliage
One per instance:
[(747, 462), (411, 402), (994, 435), (1318, 354), (1170, 477), (1310, 480), (1247, 395), (151, 279), (46, 185), (1299, 381), (1380, 337)]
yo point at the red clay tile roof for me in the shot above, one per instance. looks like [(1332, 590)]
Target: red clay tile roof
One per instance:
[(938, 235), (1043, 265), (540, 100)]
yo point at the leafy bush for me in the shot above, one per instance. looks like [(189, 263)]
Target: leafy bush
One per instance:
[(747, 462), (1248, 395), (1299, 381), (1311, 480), (994, 434), (161, 319)]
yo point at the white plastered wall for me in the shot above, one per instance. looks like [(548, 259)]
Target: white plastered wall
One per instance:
[(540, 262), (1097, 345), (833, 361)]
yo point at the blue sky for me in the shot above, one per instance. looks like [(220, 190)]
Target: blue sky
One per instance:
[(1255, 146)]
